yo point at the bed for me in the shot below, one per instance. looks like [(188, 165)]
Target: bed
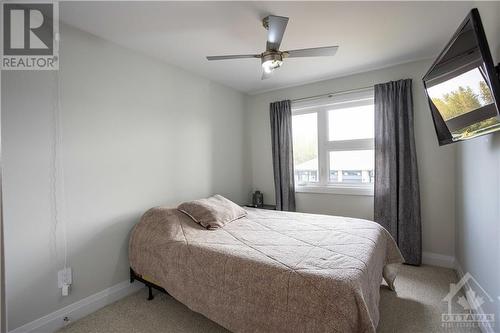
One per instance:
[(270, 271)]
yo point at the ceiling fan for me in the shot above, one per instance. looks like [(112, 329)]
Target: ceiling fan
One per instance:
[(272, 57)]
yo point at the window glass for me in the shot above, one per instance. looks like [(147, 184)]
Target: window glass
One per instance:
[(305, 148), (351, 123)]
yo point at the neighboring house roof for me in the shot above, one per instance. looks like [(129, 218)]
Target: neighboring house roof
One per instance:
[(311, 165)]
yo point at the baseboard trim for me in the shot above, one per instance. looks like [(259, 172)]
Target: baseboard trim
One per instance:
[(467, 285), (436, 259), (54, 321)]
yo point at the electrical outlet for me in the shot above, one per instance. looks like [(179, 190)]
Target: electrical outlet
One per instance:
[(64, 276)]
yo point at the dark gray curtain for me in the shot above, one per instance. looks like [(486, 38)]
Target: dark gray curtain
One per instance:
[(281, 135), (397, 195)]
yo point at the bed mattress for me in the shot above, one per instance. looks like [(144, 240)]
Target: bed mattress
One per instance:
[(270, 271)]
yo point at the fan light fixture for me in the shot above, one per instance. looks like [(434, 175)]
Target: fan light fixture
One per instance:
[(271, 65), (271, 61)]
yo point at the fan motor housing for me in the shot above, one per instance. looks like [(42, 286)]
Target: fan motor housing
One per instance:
[(265, 22), (271, 55)]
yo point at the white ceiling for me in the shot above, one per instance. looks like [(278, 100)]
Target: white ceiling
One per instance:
[(370, 35)]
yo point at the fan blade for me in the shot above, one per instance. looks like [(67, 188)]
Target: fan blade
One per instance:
[(266, 75), (276, 26), (314, 52), (236, 56)]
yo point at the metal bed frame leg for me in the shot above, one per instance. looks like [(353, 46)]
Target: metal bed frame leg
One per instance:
[(150, 297), (150, 285), (132, 275)]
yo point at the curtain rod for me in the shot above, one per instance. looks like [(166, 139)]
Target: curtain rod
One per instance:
[(331, 94)]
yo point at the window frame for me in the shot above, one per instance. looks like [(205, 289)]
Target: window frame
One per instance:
[(321, 106)]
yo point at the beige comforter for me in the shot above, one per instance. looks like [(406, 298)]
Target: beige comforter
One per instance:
[(270, 271)]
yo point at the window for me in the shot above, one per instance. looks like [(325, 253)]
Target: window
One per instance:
[(333, 143)]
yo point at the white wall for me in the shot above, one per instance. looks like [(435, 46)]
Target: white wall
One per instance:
[(436, 164), (478, 192), (136, 133)]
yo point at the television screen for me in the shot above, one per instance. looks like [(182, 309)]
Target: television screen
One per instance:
[(462, 85)]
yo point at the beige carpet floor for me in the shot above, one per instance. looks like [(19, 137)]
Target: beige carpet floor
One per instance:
[(415, 307)]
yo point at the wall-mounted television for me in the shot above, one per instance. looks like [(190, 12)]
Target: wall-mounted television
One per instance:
[(463, 87)]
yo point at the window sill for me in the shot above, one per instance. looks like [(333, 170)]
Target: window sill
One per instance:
[(343, 190)]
